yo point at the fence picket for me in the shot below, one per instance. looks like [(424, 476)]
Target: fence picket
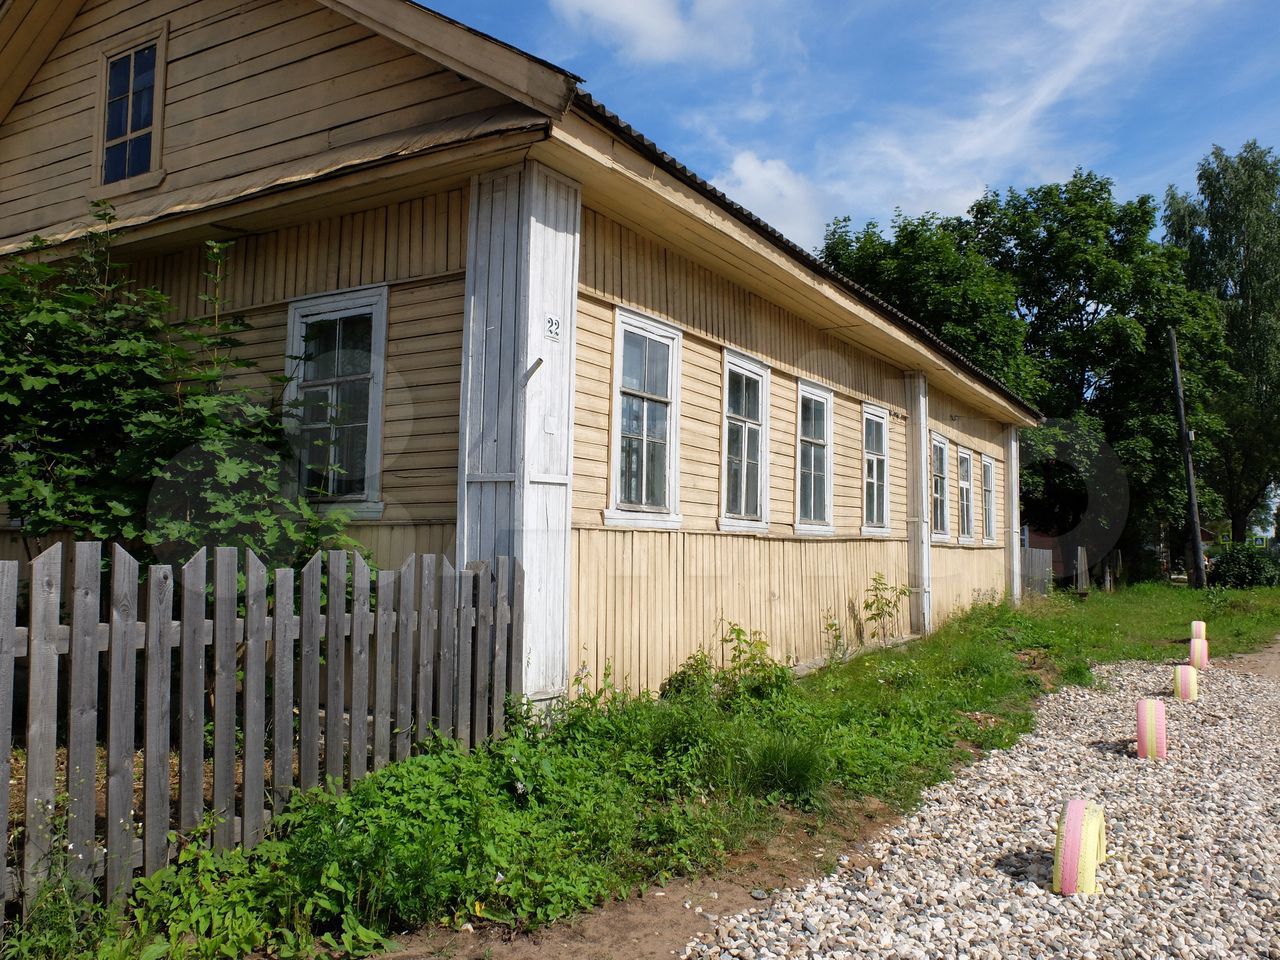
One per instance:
[(282, 653), (225, 639), (155, 749), (515, 660), (406, 628), (122, 654), (428, 624), (42, 700), (82, 721), (482, 652), (466, 626), (255, 696), (383, 640), (335, 666), (361, 629), (501, 641), (8, 644), (195, 574), (309, 682), (445, 719)]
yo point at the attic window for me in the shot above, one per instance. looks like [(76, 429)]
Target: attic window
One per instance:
[(132, 108)]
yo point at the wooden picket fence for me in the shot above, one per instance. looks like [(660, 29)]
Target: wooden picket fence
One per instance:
[(317, 688), (1037, 571)]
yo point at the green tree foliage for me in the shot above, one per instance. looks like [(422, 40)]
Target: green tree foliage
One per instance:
[(122, 424), (1230, 229)]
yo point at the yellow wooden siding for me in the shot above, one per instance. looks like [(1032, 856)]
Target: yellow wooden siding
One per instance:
[(644, 600), (963, 575), (966, 428), (322, 82)]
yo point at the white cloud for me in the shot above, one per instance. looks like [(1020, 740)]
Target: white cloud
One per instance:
[(716, 32), (783, 198)]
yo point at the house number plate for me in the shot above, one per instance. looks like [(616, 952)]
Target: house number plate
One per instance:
[(551, 328)]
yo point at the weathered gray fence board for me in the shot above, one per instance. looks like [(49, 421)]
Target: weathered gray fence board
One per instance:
[(448, 649), (82, 722), (42, 695), (195, 574), (482, 652), (502, 638), (466, 627), (224, 696), (383, 641), (361, 630), (155, 748), (406, 627), (253, 791), (515, 662), (8, 641), (282, 688), (335, 666), (309, 679), (122, 717), (428, 624)]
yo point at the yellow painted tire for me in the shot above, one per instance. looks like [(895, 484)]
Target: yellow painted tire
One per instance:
[(1153, 737), (1081, 846)]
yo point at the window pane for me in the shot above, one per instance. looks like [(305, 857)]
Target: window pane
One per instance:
[(117, 118), (966, 470), (141, 109), (819, 497), (353, 403), (733, 498), (820, 460), (139, 155), (144, 68), (315, 407), (632, 416), (656, 420), (735, 441), (349, 457), (320, 341), (806, 496), (751, 399), (315, 459), (630, 470), (753, 444), (633, 345), (113, 164), (656, 364), (118, 77), (751, 495), (356, 345), (736, 389), (656, 474), (813, 417)]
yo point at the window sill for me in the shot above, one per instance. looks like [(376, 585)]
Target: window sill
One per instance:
[(358, 509), (876, 532), (988, 543), (736, 525), (965, 541), (814, 530), (941, 538), (143, 181), (642, 519)]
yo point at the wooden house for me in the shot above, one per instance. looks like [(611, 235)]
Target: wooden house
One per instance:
[(540, 335)]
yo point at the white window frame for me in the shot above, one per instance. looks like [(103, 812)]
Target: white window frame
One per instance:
[(988, 528), (964, 454), (740, 362), (621, 515), (938, 440), (814, 391), (872, 412), (305, 310)]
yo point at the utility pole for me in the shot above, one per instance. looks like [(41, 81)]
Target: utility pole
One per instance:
[(1197, 577)]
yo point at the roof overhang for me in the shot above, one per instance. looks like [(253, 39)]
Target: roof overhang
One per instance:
[(29, 30)]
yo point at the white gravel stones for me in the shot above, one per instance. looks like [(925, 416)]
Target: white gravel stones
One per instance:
[(1193, 844)]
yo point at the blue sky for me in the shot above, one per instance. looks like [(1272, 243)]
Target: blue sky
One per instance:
[(803, 110)]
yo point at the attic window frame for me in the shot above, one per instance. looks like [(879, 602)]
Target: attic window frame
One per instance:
[(157, 33)]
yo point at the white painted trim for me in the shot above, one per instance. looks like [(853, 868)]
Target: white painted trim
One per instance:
[(304, 310), (919, 544), (875, 412), (988, 529), (826, 527), (1012, 513), (616, 514), (964, 453), (945, 533), (733, 360)]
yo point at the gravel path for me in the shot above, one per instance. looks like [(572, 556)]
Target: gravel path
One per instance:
[(1193, 843)]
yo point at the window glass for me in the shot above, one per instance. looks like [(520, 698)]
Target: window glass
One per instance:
[(646, 409), (875, 470), (939, 486), (988, 500), (129, 114), (964, 476), (814, 412), (743, 432)]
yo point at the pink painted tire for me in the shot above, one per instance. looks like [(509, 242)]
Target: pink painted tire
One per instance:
[(1198, 630), (1199, 653), (1081, 846), (1185, 682), (1153, 743)]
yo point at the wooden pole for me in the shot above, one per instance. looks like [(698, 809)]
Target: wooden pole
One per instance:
[(1197, 575)]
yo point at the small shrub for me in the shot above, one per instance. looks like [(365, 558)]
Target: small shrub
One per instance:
[(883, 605), (782, 764), (1242, 565)]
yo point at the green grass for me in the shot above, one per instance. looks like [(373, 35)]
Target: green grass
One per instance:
[(623, 791)]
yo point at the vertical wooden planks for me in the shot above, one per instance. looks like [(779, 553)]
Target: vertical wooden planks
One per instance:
[(191, 740), (428, 625), (501, 644), (122, 657), (284, 633), (482, 652), (466, 630), (515, 669), (225, 591), (335, 668), (361, 628), (42, 700), (255, 695), (8, 645), (82, 722), (406, 624), (445, 720), (155, 744), (309, 680), (383, 641)]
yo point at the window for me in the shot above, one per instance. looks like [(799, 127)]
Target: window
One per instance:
[(964, 477), (336, 347), (645, 420), (988, 500), (875, 469), (132, 105), (746, 437), (938, 470), (813, 459)]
